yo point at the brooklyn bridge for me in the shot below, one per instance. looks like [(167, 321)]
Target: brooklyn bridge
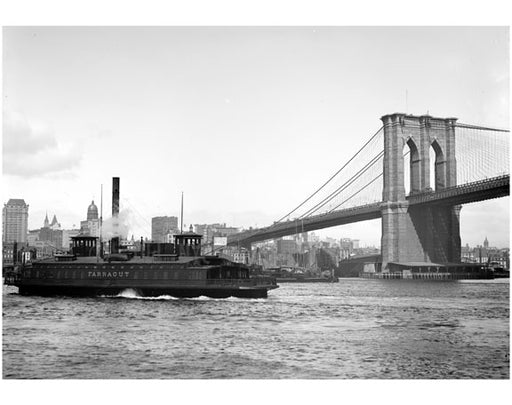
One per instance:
[(414, 173)]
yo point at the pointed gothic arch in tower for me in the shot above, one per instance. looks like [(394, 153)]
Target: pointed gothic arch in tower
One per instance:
[(439, 166), (414, 166), (420, 234)]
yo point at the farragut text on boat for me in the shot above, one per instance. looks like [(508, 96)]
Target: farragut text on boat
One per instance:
[(108, 274)]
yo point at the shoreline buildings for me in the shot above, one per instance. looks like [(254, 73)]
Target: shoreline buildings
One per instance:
[(15, 221), (163, 229)]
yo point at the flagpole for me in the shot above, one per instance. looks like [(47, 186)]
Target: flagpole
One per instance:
[(182, 212)]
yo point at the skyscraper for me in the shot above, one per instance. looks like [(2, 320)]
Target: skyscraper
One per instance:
[(51, 233), (161, 226), (15, 221)]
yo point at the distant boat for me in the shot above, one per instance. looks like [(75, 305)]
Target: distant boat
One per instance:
[(307, 279), (288, 275)]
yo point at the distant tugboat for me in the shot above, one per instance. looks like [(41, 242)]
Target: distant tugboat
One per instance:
[(180, 272), (286, 275)]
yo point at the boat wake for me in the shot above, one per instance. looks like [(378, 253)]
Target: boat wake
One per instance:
[(130, 293), (205, 298)]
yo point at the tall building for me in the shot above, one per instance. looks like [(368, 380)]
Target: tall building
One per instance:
[(209, 231), (33, 237), (91, 226), (162, 226), (15, 221), (286, 246), (67, 234), (51, 233), (92, 212), (55, 225)]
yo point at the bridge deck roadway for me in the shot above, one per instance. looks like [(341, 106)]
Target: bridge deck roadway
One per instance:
[(466, 193)]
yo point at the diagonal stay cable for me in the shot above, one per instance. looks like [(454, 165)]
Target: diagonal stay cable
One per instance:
[(332, 177), (343, 187), (356, 193), (362, 188)]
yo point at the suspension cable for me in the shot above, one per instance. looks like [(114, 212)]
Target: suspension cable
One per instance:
[(343, 187), (357, 192), (362, 188), (468, 126), (332, 177)]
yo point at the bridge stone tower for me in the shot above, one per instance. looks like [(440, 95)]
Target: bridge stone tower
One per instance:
[(420, 233)]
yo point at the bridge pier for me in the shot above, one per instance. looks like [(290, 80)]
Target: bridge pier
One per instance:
[(422, 233)]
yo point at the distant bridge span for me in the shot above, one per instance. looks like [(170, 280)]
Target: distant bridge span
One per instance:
[(463, 194)]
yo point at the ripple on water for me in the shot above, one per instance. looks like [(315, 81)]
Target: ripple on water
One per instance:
[(352, 329)]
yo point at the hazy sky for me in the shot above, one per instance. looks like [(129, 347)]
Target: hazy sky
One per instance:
[(246, 121)]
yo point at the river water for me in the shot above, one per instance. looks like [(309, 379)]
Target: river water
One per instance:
[(354, 329)]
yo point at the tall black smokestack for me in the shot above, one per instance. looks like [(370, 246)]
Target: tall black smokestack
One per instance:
[(115, 197), (114, 243)]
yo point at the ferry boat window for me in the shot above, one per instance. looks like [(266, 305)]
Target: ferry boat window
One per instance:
[(135, 274), (213, 274)]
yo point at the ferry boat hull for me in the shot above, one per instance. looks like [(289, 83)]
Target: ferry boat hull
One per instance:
[(187, 277), (182, 292)]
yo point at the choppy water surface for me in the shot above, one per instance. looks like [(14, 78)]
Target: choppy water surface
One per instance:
[(351, 329)]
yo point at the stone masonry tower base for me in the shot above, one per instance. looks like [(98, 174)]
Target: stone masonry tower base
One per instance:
[(420, 234)]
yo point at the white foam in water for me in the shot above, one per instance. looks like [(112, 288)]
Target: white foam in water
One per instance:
[(130, 293), (205, 298), (160, 297), (201, 298)]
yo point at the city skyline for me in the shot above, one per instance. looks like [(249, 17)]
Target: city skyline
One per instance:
[(322, 234), (229, 115)]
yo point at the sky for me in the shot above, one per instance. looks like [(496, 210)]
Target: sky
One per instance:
[(245, 121)]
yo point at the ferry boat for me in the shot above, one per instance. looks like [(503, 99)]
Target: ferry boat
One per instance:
[(183, 273), (179, 271)]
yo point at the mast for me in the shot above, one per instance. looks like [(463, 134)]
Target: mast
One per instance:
[(181, 213), (101, 221)]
